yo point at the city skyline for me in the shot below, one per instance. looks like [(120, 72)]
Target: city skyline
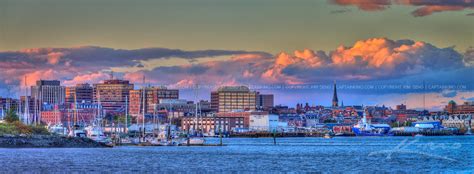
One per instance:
[(379, 52)]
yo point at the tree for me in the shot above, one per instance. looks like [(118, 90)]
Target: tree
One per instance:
[(11, 116)]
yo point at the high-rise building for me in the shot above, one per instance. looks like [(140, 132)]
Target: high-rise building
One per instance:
[(112, 94), (49, 91), (81, 93), (231, 98), (264, 101), (335, 100), (153, 95)]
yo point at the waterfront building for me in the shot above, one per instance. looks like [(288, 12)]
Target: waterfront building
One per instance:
[(460, 121), (81, 93), (211, 125), (231, 98), (229, 124), (244, 114), (153, 96), (264, 123), (84, 114), (49, 91), (112, 95), (265, 101), (295, 120), (465, 108)]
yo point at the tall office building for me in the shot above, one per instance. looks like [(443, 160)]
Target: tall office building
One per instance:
[(153, 95), (49, 91), (81, 93), (265, 101), (112, 94), (231, 98)]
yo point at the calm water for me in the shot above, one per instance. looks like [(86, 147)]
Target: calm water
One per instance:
[(341, 154)]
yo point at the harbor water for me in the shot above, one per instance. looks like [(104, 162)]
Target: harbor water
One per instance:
[(339, 154)]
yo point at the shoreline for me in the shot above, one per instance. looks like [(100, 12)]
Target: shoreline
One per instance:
[(47, 141)]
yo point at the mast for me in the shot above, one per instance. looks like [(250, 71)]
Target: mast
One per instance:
[(19, 101), (26, 114), (75, 109), (126, 114), (196, 109), (143, 108)]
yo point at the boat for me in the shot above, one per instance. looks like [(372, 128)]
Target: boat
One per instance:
[(193, 141), (327, 135), (418, 135), (363, 128), (96, 133), (58, 129), (76, 132)]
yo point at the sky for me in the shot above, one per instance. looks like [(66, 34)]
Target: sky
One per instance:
[(379, 52)]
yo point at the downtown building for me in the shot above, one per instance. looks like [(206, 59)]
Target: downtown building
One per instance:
[(152, 98), (49, 92), (232, 98), (81, 93), (265, 102), (112, 95)]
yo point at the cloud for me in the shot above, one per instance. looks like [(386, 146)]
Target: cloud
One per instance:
[(366, 60), (87, 63), (469, 56), (374, 64), (87, 78), (424, 7), (449, 93), (367, 5)]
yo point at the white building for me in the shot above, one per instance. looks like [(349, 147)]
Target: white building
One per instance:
[(461, 121), (264, 123)]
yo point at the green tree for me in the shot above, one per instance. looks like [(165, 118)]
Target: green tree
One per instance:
[(11, 116)]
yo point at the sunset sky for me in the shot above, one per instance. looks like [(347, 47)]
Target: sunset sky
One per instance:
[(378, 51)]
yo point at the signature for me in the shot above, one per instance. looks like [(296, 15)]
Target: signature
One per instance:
[(403, 148)]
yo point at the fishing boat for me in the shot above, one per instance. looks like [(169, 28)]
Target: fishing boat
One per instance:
[(363, 128)]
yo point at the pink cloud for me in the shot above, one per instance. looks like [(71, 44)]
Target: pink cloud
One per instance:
[(87, 78), (425, 7), (367, 5)]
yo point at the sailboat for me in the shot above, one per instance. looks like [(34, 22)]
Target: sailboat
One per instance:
[(196, 140), (57, 128), (95, 131), (76, 130)]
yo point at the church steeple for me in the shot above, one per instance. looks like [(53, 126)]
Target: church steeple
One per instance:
[(335, 101)]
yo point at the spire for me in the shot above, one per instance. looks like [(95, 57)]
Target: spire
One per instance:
[(335, 101)]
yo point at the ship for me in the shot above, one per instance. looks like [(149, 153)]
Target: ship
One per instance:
[(363, 128)]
